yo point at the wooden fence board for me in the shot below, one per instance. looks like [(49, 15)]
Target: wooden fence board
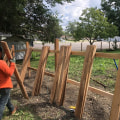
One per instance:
[(56, 53), (13, 50), (59, 84), (26, 63), (60, 93), (57, 72), (19, 80), (29, 72), (40, 71), (114, 114), (87, 67), (93, 89), (97, 54)]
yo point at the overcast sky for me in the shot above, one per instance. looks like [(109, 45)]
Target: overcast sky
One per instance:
[(72, 11)]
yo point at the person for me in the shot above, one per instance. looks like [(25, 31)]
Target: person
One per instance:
[(6, 85)]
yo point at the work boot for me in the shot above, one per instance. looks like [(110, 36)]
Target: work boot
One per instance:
[(14, 111)]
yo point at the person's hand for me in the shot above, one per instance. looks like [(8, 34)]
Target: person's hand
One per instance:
[(13, 60)]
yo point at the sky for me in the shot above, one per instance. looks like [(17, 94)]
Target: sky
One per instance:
[(72, 11)]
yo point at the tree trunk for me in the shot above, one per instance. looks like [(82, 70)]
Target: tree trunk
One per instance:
[(91, 43)]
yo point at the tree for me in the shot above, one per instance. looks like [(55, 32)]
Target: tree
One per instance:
[(94, 25), (51, 30), (42, 22), (11, 15), (28, 17), (71, 28), (111, 8)]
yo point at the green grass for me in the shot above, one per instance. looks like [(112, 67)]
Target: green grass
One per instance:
[(104, 69), (23, 113)]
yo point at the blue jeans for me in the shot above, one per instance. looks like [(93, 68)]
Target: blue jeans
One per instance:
[(5, 101)]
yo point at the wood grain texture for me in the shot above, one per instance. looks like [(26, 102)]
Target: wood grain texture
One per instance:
[(29, 71), (87, 68), (59, 83), (115, 109), (25, 63), (56, 53), (40, 71)]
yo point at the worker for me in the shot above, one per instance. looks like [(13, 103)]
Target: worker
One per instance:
[(6, 85)]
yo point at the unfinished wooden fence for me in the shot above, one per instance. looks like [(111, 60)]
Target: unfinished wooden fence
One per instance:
[(62, 64)]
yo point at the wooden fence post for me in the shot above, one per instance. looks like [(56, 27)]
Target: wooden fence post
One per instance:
[(115, 109), (109, 45), (9, 56), (59, 83), (56, 53), (25, 63), (29, 71), (40, 71), (13, 50), (81, 46), (85, 78), (101, 45)]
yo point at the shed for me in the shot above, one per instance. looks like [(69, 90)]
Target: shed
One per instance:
[(19, 44)]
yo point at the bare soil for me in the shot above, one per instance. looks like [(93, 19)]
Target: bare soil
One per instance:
[(96, 107)]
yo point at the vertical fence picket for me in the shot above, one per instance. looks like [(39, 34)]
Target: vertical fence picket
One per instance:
[(40, 71), (85, 78)]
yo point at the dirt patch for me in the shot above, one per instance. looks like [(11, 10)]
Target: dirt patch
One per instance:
[(96, 107)]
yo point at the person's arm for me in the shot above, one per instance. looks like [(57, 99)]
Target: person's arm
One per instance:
[(7, 70)]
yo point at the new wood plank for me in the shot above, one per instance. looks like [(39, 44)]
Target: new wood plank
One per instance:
[(98, 54), (60, 93), (19, 80), (114, 114), (56, 53), (93, 89), (13, 50), (29, 71), (57, 76), (59, 83), (25, 63), (87, 67), (40, 71), (108, 55)]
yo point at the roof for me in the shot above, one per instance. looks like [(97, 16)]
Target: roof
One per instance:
[(15, 39)]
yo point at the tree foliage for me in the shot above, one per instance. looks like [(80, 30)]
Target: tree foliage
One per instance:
[(71, 28), (29, 18), (111, 8), (94, 25), (53, 2), (11, 15)]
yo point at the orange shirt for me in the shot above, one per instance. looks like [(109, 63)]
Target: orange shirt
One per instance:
[(5, 74)]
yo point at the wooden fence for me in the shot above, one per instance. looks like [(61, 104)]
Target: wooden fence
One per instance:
[(61, 66)]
